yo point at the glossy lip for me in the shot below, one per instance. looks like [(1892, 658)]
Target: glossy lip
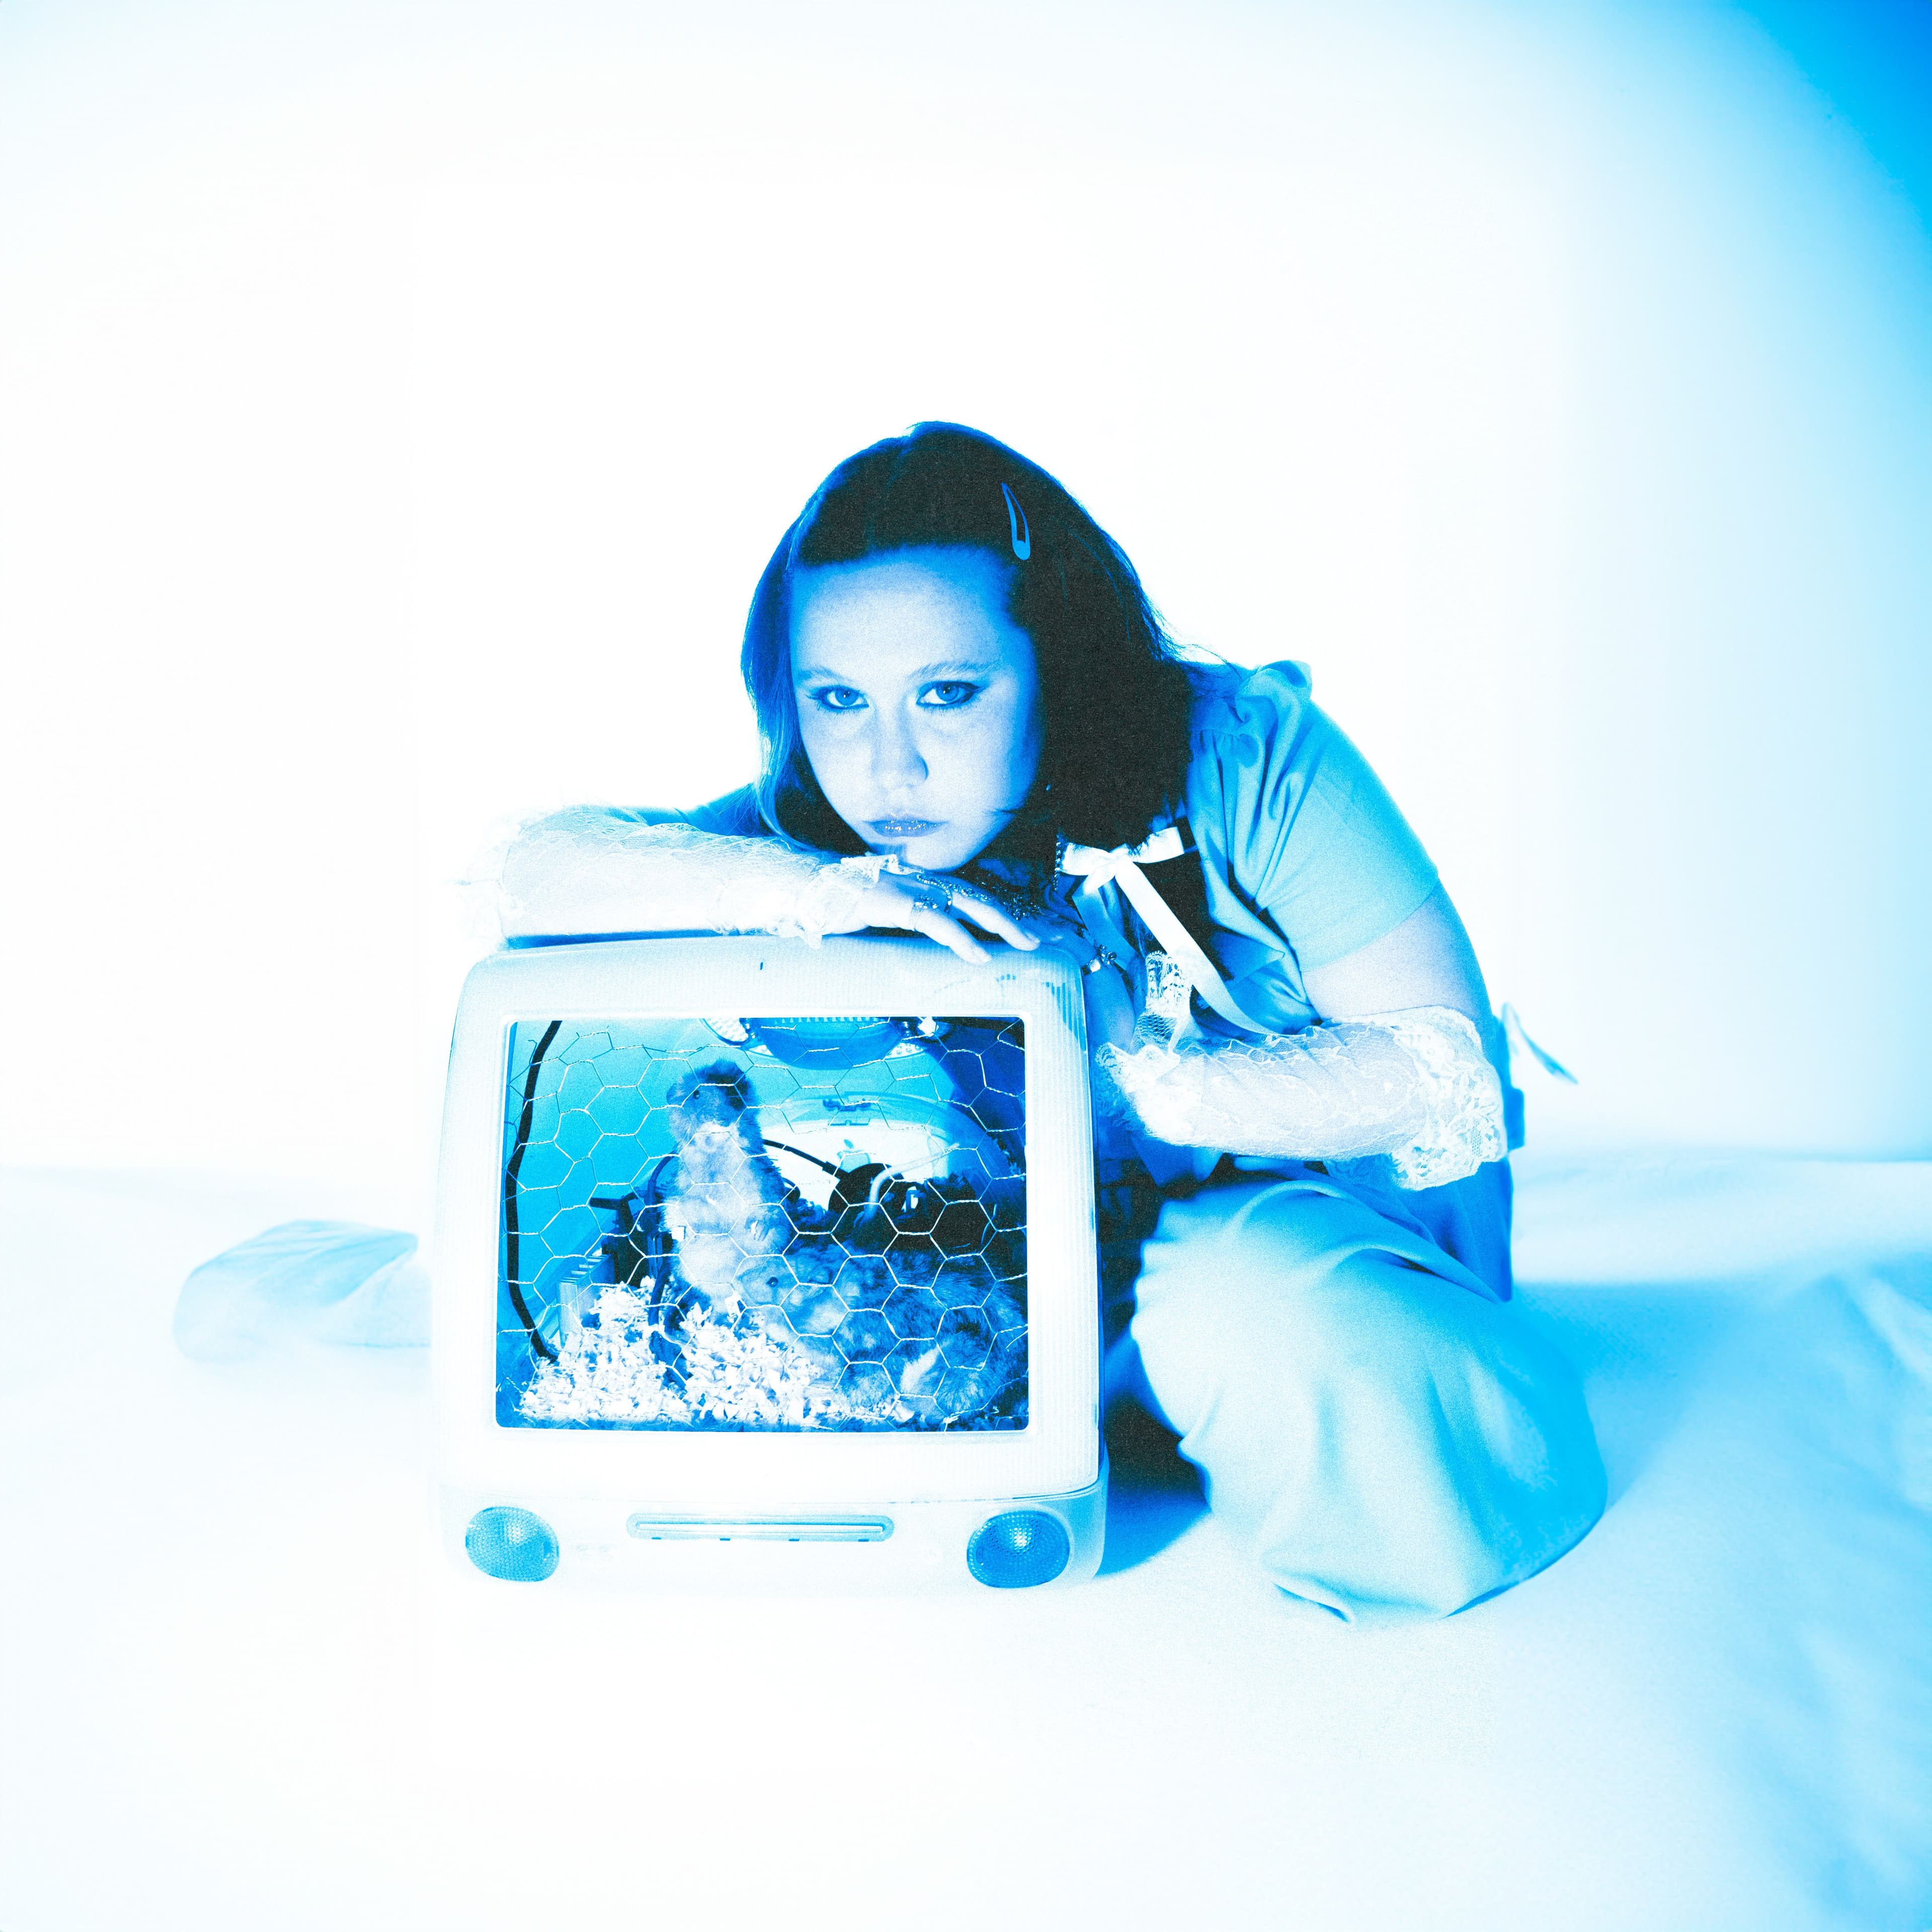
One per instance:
[(904, 828)]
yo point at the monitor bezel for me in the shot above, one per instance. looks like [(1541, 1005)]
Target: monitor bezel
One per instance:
[(635, 981)]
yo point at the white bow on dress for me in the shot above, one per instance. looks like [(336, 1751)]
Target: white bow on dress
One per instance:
[(1096, 869)]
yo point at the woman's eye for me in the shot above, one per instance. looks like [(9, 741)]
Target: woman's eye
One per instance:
[(838, 697), (946, 695)]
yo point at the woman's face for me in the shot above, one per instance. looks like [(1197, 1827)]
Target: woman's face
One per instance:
[(918, 700)]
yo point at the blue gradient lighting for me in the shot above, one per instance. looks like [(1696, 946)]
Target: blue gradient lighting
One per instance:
[(1556, 381)]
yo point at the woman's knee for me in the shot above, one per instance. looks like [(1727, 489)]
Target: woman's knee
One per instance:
[(1386, 1440), (1266, 1287)]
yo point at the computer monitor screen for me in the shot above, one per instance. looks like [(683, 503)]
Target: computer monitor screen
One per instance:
[(734, 1222)]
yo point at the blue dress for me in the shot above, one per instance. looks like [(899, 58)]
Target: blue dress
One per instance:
[(1382, 1431), (1305, 859)]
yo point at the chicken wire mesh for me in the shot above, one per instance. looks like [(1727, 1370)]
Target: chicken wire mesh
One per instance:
[(748, 1223)]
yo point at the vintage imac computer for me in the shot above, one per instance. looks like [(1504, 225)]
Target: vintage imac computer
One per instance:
[(763, 1265)]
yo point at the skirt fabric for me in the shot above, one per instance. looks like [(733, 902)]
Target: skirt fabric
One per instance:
[(1372, 1419)]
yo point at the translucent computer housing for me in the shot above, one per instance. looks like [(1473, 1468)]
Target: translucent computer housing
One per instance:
[(760, 1263)]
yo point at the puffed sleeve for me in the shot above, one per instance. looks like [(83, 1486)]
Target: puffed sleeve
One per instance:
[(1291, 814)]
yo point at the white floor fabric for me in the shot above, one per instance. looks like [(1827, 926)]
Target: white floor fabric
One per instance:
[(243, 1689)]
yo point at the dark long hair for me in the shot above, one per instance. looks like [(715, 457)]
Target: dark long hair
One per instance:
[(1114, 694)]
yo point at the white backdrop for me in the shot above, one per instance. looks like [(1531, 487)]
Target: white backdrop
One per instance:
[(400, 401)]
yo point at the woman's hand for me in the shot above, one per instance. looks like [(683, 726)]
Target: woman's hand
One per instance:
[(940, 908)]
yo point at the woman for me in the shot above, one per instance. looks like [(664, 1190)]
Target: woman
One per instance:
[(974, 725)]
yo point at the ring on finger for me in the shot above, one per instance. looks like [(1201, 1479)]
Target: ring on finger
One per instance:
[(930, 895)]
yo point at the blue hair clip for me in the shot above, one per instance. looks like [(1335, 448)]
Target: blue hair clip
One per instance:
[(1017, 525)]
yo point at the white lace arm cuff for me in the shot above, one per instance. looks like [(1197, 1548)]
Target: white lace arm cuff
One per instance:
[(587, 871), (1414, 1085)]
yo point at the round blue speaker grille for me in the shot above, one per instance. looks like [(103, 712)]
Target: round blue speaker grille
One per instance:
[(514, 1544), (1018, 1549)]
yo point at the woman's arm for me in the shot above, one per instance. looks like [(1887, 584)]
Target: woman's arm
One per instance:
[(589, 872), (1427, 960), (1399, 1065)]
